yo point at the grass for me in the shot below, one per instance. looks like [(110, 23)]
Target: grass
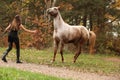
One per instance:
[(14, 74), (87, 63)]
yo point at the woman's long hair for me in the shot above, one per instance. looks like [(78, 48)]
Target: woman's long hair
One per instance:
[(16, 23)]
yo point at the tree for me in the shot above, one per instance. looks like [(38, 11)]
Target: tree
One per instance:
[(98, 15)]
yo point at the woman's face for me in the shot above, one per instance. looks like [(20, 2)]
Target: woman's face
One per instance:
[(18, 20), (17, 17)]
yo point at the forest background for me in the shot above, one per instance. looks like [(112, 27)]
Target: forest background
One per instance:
[(100, 16)]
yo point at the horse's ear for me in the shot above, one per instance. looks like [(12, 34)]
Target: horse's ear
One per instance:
[(58, 7)]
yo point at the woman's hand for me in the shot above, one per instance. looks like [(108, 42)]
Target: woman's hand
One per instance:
[(35, 31)]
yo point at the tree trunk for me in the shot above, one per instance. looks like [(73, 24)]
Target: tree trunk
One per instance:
[(91, 21), (85, 19)]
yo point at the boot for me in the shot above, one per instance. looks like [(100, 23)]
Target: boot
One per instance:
[(4, 59), (18, 61), (4, 56)]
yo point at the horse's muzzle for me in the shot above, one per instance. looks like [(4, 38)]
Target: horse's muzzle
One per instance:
[(48, 11)]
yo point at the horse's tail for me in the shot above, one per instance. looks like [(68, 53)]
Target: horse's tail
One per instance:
[(92, 40), (92, 37)]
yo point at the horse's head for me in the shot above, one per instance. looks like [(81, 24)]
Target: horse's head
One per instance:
[(53, 11)]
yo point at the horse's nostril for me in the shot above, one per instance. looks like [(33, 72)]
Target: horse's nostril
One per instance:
[(48, 12)]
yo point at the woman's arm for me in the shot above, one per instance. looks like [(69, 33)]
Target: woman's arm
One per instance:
[(30, 31), (7, 28)]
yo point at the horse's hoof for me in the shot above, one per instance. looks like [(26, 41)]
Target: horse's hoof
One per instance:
[(52, 61), (74, 61)]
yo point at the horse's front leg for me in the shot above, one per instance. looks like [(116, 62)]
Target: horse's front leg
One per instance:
[(78, 52), (61, 51), (56, 44)]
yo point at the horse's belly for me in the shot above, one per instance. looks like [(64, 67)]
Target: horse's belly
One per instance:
[(67, 37), (71, 40)]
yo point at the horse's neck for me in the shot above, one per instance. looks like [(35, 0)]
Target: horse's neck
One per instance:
[(58, 21)]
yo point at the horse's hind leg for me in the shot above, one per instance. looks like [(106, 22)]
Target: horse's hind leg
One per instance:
[(61, 51), (77, 53), (56, 43)]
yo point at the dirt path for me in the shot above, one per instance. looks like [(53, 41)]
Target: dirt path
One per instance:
[(59, 72)]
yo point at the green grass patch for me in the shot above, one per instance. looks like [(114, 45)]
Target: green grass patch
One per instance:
[(98, 63), (15, 74)]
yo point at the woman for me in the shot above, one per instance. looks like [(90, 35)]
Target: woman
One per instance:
[(13, 29)]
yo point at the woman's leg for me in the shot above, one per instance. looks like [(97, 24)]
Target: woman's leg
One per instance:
[(17, 50), (7, 51)]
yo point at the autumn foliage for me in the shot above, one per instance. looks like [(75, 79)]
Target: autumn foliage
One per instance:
[(100, 16)]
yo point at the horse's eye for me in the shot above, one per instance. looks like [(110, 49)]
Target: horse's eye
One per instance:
[(55, 9)]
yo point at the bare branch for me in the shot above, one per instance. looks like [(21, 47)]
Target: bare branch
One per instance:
[(53, 4)]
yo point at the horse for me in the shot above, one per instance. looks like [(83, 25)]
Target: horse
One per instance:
[(65, 33), (92, 40)]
